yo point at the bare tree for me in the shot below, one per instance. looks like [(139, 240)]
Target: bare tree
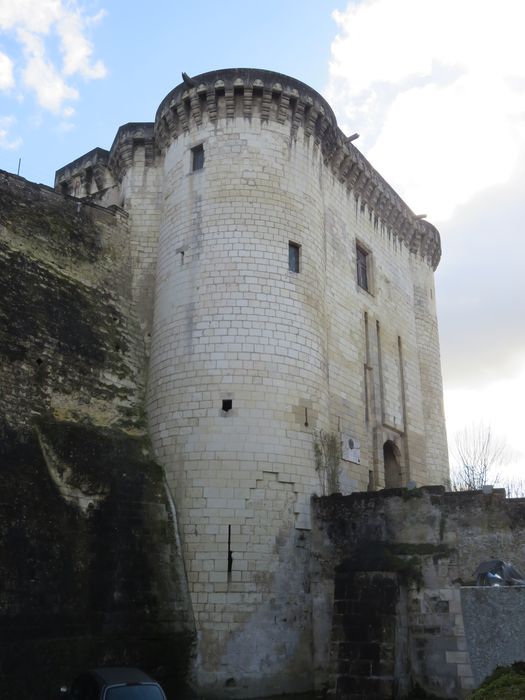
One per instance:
[(478, 457), (514, 488)]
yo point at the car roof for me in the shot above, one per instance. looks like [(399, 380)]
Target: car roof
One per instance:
[(120, 674)]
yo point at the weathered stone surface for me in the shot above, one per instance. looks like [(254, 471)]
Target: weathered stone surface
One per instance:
[(430, 542), (493, 619), (90, 557), (249, 359)]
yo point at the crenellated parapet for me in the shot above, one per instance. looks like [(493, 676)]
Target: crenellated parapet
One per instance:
[(99, 169), (130, 138), (254, 94), (265, 95), (85, 175), (284, 293)]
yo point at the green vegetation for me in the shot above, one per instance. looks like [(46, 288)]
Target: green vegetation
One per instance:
[(506, 683), (328, 455)]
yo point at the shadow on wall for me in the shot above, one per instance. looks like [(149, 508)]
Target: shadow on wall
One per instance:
[(389, 571), (91, 566), (86, 579)]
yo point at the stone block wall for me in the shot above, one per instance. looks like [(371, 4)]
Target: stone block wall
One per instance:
[(250, 359), (493, 628), (289, 350), (429, 542), (364, 635), (90, 557)]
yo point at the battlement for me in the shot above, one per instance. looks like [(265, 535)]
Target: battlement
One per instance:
[(266, 95), (285, 297), (80, 177), (99, 169), (129, 137), (254, 94)]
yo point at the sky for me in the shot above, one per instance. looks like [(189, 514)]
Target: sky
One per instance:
[(435, 88)]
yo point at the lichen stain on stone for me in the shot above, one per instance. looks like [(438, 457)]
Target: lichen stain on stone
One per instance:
[(28, 213), (86, 527), (85, 494)]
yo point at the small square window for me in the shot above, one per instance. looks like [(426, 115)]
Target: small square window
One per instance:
[(293, 256), (197, 157), (363, 275)]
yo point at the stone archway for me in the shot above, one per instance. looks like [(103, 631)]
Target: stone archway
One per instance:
[(393, 472)]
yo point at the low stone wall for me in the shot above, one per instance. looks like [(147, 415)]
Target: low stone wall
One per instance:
[(425, 544), (494, 627)]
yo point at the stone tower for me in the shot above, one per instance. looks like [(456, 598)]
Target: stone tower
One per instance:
[(285, 292)]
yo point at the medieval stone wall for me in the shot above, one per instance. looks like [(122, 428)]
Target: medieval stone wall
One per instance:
[(388, 574), (90, 557), (250, 359)]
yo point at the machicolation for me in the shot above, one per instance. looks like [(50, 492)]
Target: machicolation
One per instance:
[(227, 287), (283, 288)]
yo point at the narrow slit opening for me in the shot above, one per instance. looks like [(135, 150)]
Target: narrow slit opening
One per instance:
[(230, 553)]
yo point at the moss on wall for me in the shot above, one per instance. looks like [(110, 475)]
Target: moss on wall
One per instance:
[(89, 553)]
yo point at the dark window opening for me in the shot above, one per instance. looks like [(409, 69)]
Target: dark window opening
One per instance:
[(88, 179), (227, 405), (197, 157), (293, 257), (362, 267), (64, 187)]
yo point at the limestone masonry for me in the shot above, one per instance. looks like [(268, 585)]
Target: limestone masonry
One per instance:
[(282, 289)]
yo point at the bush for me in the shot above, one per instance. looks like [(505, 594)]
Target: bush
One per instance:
[(505, 683)]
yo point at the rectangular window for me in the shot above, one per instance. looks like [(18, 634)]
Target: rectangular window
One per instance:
[(197, 157), (293, 256), (362, 256)]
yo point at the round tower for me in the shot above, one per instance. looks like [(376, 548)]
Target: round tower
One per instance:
[(289, 295), (280, 251), (238, 373)]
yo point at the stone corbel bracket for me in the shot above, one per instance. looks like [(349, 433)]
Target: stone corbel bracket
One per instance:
[(265, 95)]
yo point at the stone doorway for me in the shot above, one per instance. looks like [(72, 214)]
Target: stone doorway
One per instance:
[(364, 632), (391, 459)]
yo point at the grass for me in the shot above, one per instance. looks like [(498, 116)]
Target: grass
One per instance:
[(505, 683)]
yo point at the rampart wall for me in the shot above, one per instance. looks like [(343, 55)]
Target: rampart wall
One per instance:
[(90, 559), (390, 576), (251, 356)]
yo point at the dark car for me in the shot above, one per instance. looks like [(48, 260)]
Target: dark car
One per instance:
[(114, 683)]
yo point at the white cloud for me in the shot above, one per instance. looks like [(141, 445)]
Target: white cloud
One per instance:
[(42, 76), (481, 287), (498, 405), (437, 90), (7, 79), (7, 142), (76, 49), (39, 25)]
